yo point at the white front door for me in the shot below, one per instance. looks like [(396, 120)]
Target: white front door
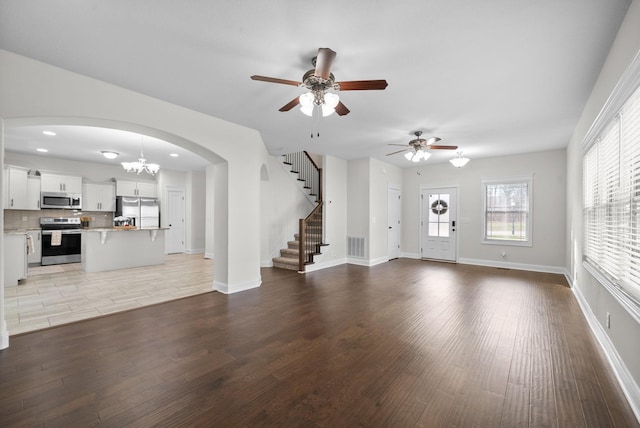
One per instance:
[(175, 221), (393, 209), (438, 224)]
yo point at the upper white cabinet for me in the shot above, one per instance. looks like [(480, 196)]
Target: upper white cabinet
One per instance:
[(98, 197), (136, 188), (60, 183), (15, 188), (33, 192)]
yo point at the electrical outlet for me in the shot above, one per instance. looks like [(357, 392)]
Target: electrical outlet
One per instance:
[(608, 320)]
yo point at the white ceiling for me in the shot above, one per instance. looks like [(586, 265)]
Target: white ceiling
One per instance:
[(492, 77)]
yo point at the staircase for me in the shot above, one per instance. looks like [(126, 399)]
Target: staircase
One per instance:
[(308, 241)]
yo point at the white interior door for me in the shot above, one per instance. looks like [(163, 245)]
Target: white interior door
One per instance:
[(438, 224), (393, 216), (174, 236)]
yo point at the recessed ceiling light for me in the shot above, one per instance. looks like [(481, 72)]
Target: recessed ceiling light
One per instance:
[(109, 155), (49, 133), (42, 150), (174, 155)]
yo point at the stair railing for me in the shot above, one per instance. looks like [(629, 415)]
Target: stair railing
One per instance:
[(310, 233)]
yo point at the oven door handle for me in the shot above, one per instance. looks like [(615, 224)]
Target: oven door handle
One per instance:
[(64, 232)]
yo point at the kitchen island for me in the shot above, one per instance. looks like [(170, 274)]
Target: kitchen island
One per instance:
[(111, 249)]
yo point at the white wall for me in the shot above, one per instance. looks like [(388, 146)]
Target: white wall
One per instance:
[(196, 211), (283, 204), (32, 92), (548, 212), (622, 340), (368, 181), (209, 212), (358, 201), (334, 177)]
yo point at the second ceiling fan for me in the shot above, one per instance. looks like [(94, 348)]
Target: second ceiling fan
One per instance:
[(319, 81), (417, 148)]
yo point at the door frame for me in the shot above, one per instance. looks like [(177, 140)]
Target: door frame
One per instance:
[(399, 190), (167, 190), (425, 189)]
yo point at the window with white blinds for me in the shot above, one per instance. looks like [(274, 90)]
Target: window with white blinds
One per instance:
[(611, 183)]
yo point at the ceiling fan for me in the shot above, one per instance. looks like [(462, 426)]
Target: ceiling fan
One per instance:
[(417, 148), (319, 81)]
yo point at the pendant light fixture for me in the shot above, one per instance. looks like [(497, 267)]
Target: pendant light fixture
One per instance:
[(459, 161), (141, 164)]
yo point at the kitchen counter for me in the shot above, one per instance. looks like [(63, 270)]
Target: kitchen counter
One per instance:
[(19, 231), (109, 249)]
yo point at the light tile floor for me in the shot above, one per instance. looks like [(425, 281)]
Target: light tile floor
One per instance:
[(59, 294)]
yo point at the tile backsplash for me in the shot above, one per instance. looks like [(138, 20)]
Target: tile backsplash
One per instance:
[(30, 219)]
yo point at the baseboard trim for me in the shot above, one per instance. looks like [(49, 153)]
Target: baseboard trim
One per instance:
[(366, 262), (410, 256), (4, 335), (236, 288), (516, 266), (324, 265), (195, 251), (627, 383), (208, 255), (266, 263)]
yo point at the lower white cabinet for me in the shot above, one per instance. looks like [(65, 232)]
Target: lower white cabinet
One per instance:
[(34, 256), (15, 258)]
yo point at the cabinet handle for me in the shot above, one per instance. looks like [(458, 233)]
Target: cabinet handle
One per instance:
[(11, 201)]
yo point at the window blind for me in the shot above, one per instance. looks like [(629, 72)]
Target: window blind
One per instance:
[(611, 183)]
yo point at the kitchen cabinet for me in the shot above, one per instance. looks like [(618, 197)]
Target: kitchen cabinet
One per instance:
[(33, 192), (136, 188), (60, 183), (15, 189), (34, 255), (15, 258), (98, 197)]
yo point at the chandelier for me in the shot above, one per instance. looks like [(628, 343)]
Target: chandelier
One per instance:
[(141, 164)]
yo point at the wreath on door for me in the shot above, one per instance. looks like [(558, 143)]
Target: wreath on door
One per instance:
[(439, 207)]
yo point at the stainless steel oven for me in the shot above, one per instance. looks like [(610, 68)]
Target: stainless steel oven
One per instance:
[(61, 240)]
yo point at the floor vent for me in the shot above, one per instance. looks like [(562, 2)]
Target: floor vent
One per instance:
[(355, 246)]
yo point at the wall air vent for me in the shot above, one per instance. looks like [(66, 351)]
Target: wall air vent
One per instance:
[(355, 246)]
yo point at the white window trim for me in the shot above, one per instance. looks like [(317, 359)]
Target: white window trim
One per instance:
[(508, 180)]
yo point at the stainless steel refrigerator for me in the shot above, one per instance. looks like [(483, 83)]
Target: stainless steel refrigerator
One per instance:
[(144, 212)]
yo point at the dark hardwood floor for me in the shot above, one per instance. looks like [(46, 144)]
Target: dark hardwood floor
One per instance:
[(406, 343)]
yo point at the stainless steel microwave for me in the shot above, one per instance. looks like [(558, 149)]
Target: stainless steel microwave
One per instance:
[(61, 200)]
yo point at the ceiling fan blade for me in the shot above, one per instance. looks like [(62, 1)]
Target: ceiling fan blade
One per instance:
[(291, 104), (341, 109), (399, 151), (324, 60), (433, 146), (362, 85), (275, 80)]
